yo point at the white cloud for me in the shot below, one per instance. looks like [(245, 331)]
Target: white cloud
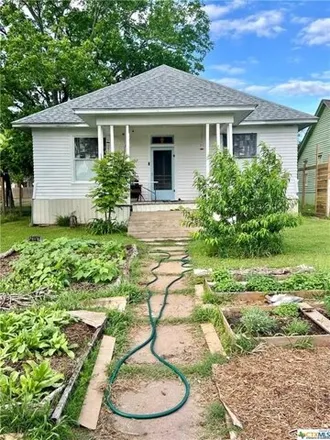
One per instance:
[(316, 33), (230, 82), (264, 24), (323, 75), (300, 20), (256, 89), (301, 87), (228, 69), (215, 11), (293, 87)]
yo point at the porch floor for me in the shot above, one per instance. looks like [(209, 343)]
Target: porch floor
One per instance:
[(161, 205)]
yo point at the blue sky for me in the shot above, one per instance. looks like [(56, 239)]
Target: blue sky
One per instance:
[(278, 50)]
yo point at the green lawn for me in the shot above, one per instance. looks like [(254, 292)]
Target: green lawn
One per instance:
[(308, 244), (17, 231)]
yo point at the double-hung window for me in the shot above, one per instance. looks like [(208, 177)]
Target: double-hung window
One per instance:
[(85, 152), (244, 145)]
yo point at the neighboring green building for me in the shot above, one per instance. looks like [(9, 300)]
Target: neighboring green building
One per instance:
[(316, 139)]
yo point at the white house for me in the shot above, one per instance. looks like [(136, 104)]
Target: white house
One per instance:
[(165, 119)]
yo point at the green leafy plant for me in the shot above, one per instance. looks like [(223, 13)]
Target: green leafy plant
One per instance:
[(262, 283), (113, 175), (307, 281), (327, 304), (257, 322), (243, 211), (32, 385), (34, 333), (297, 327), (57, 263), (224, 282), (99, 226), (287, 310)]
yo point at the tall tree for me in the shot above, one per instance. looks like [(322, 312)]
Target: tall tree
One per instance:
[(55, 50)]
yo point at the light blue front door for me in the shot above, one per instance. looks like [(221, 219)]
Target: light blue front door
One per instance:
[(162, 173)]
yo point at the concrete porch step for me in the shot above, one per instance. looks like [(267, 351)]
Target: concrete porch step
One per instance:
[(158, 225)]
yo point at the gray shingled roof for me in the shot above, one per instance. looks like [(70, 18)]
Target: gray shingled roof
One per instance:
[(163, 87)]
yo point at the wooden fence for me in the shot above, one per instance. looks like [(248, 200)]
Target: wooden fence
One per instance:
[(322, 187)]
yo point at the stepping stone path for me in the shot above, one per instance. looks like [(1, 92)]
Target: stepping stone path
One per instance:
[(177, 306), (179, 344), (182, 344), (148, 396)]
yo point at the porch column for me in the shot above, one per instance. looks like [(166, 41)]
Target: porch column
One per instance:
[(100, 141), (127, 140), (230, 138), (217, 127), (207, 149), (112, 139)]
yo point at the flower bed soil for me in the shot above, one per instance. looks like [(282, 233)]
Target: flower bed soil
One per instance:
[(77, 333), (5, 264), (233, 318)]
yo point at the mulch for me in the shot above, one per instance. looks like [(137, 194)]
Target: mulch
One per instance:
[(277, 391), (77, 333)]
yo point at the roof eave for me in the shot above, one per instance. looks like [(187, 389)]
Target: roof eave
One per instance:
[(160, 110), (47, 124)]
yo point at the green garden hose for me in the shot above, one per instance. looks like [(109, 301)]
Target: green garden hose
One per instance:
[(152, 340)]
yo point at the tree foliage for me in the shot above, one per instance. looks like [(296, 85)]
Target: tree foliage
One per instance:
[(55, 50), (243, 211), (113, 175)]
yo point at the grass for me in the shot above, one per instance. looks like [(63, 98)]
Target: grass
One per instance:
[(16, 231), (308, 244)]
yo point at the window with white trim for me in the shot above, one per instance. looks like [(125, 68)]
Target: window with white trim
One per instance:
[(244, 145), (85, 152)]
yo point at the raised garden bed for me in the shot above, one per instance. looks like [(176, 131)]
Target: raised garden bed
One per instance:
[(57, 264), (46, 349), (268, 326)]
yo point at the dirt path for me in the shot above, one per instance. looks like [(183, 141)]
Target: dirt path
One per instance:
[(150, 387)]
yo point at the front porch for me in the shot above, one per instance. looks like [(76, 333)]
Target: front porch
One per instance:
[(167, 157)]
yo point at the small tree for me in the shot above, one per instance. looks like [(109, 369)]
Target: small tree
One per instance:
[(243, 211), (113, 175)]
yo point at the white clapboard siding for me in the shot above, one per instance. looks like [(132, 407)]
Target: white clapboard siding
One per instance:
[(53, 150), (284, 140)]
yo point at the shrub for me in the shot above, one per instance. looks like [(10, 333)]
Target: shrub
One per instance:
[(297, 327), (287, 310), (113, 175), (63, 220), (257, 322), (242, 211), (99, 226)]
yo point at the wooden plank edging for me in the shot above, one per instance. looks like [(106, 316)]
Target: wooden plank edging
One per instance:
[(90, 410)]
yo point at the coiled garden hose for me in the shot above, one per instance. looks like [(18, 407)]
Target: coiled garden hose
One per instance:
[(152, 340)]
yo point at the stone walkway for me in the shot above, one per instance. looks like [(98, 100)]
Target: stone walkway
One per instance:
[(181, 342)]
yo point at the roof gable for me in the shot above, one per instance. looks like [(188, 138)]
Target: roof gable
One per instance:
[(324, 104), (163, 87)]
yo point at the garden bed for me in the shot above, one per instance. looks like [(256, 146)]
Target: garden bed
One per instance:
[(46, 349), (57, 264), (258, 296), (276, 391), (279, 325)]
